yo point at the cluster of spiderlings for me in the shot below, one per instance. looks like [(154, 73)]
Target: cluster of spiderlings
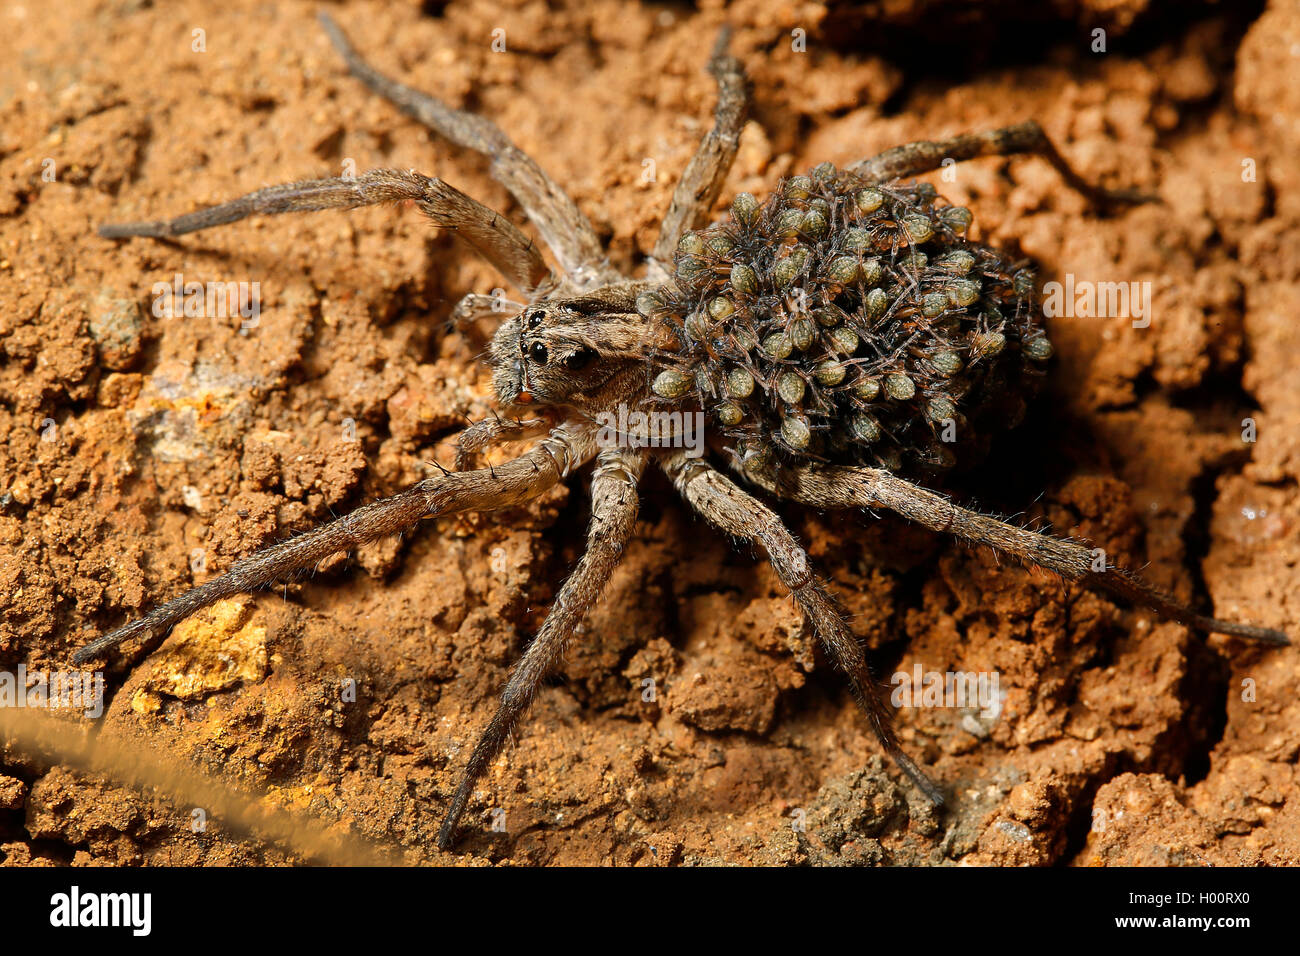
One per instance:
[(848, 323)]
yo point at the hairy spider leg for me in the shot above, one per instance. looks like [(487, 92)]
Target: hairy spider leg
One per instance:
[(511, 483), (564, 228), (923, 156), (730, 509), (848, 487), (614, 506)]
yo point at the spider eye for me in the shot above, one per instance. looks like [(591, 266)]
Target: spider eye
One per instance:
[(533, 319), (576, 361), (537, 352)]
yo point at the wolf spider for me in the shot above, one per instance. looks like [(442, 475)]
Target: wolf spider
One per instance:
[(580, 347)]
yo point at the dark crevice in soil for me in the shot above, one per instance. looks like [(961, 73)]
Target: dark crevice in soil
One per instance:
[(433, 8), (55, 850), (1040, 454), (11, 821), (1080, 822), (950, 42), (1208, 682), (1206, 686), (1218, 395)]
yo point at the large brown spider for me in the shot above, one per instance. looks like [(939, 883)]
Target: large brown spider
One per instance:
[(839, 336)]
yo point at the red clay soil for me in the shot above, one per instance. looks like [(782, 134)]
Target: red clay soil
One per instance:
[(129, 442)]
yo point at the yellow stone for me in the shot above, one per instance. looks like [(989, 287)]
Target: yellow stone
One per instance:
[(212, 651)]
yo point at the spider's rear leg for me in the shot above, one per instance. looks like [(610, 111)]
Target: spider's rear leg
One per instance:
[(507, 484), (698, 189), (557, 217), (925, 156), (613, 518), (845, 487), (498, 240), (723, 504)]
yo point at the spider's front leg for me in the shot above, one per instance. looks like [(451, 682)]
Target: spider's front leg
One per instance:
[(723, 504), (480, 436), (924, 156), (557, 217), (475, 306), (507, 484), (497, 240), (846, 487), (614, 508)]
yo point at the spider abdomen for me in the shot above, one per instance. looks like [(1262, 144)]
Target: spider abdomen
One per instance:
[(850, 323)]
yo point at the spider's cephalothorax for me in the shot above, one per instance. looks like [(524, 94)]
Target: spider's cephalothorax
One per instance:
[(583, 352), (840, 335), (844, 322)]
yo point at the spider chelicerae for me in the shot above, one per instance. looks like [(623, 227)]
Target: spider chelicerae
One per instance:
[(836, 340)]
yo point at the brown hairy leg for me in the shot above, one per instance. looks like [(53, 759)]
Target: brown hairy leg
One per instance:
[(498, 240), (723, 504), (846, 487), (925, 156), (564, 228), (701, 181), (481, 436), (614, 508), (474, 306), (504, 485)]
